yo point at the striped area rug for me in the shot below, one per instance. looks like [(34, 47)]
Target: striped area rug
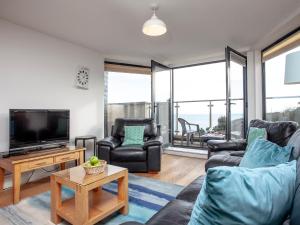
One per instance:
[(146, 197)]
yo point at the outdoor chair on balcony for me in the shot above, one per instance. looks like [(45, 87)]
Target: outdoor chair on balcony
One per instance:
[(187, 131)]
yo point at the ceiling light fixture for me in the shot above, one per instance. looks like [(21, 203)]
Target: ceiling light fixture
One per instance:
[(154, 26)]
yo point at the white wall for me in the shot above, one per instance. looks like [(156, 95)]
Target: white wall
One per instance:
[(251, 86), (254, 78), (38, 71)]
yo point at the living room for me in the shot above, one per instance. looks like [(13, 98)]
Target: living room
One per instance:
[(149, 112)]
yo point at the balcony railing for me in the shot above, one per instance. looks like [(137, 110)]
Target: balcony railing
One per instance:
[(209, 114), (134, 110), (198, 111), (283, 108)]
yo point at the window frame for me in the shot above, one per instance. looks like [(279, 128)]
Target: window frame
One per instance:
[(122, 68), (263, 68), (245, 89)]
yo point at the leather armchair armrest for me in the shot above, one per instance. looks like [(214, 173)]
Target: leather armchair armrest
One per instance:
[(221, 145), (222, 160), (158, 129), (154, 158), (155, 141), (110, 142)]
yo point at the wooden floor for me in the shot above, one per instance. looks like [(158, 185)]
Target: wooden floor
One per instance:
[(174, 169), (178, 170)]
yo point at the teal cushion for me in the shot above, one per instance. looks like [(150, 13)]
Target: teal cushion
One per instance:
[(264, 153), (237, 195), (134, 135), (255, 133)]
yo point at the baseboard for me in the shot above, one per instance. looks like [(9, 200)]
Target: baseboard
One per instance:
[(193, 153)]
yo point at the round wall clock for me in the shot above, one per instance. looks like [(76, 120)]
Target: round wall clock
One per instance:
[(82, 78)]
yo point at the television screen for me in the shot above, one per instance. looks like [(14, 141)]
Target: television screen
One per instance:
[(38, 127)]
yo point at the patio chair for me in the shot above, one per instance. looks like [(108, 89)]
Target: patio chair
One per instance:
[(188, 131)]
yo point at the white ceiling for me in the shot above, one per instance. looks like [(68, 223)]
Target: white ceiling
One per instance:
[(197, 29)]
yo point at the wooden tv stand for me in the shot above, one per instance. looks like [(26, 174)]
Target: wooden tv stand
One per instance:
[(36, 160)]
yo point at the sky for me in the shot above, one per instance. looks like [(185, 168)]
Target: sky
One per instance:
[(128, 87)]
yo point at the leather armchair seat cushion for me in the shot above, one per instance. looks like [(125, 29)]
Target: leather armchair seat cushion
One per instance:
[(190, 192), (129, 153), (176, 212)]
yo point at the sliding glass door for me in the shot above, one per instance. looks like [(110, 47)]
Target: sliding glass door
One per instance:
[(162, 100), (236, 94)]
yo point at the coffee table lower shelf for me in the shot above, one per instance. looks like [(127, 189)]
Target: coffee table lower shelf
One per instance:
[(101, 205)]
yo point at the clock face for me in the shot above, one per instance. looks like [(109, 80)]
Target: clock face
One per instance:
[(82, 78)]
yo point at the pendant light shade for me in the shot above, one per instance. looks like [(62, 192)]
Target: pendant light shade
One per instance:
[(154, 26), (292, 68)]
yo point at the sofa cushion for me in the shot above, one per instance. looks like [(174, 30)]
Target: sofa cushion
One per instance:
[(295, 142), (278, 132), (222, 160), (190, 192), (295, 215), (228, 153), (236, 195), (176, 212), (264, 153), (129, 153)]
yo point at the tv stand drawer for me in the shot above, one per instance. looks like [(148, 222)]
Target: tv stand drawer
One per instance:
[(66, 157), (37, 164)]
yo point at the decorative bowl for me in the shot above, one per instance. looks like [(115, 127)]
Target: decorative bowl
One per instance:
[(92, 170)]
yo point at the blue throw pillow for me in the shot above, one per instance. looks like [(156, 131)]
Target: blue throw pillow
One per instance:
[(264, 153), (237, 195), (134, 135), (255, 133)]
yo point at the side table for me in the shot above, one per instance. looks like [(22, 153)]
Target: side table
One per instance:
[(84, 139)]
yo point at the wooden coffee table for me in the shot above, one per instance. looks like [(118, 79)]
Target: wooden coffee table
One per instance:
[(90, 203)]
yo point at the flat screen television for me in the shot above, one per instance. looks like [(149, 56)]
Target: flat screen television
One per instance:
[(31, 128)]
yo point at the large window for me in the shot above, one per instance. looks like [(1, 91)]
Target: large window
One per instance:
[(282, 101), (128, 88), (128, 94)]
